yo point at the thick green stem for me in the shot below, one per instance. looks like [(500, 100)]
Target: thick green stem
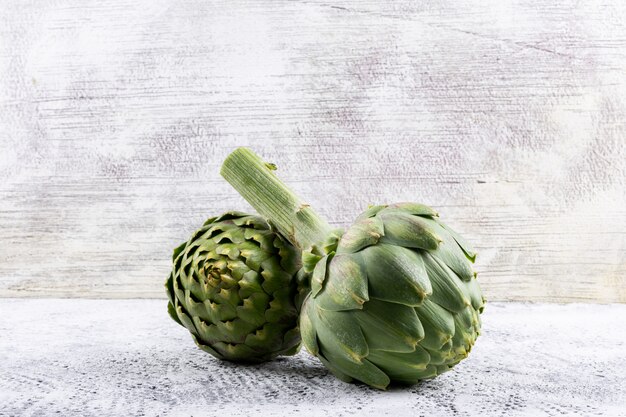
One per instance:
[(255, 180)]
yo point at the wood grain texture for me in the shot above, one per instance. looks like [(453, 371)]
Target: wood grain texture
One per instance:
[(508, 117), (128, 358)]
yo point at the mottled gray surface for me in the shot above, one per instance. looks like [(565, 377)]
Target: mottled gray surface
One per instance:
[(126, 357), (508, 117)]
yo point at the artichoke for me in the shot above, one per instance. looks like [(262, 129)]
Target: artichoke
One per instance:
[(233, 285), (393, 299)]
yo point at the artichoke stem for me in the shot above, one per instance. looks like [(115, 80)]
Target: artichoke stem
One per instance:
[(257, 183)]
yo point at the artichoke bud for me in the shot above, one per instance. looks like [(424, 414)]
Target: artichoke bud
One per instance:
[(395, 299), (233, 285)]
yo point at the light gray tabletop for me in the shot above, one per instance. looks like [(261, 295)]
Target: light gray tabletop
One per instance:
[(127, 358)]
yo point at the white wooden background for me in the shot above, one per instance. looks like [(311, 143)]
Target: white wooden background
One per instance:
[(508, 117)]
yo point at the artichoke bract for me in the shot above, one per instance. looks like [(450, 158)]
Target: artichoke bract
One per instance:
[(233, 285), (392, 299)]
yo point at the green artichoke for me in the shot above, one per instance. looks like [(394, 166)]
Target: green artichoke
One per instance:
[(233, 286), (394, 299)]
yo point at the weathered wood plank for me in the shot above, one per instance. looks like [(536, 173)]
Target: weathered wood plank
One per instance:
[(510, 119)]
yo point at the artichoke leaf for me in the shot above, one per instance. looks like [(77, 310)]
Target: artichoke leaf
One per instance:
[(193, 306), (476, 296), (334, 370), (233, 331), (319, 274), (364, 371), (231, 235), (274, 277), (440, 356), (448, 290), (307, 329), (365, 232), (169, 288), (340, 333), (268, 337), (291, 340), (253, 255), (249, 284), (310, 259), (463, 336), (281, 309), (466, 317), (264, 238), (370, 212), (206, 348), (396, 274), (227, 298), (228, 249), (451, 253), (470, 252), (431, 371), (289, 260), (345, 286), (178, 250), (208, 222), (206, 331), (437, 317), (438, 331), (401, 366), (409, 231), (413, 208), (171, 310), (236, 352), (233, 216), (253, 308), (218, 311), (390, 326)]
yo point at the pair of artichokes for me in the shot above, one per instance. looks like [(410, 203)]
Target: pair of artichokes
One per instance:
[(391, 299)]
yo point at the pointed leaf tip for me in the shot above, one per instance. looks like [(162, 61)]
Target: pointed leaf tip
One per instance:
[(365, 232)]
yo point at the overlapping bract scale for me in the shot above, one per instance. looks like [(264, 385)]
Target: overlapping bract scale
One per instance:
[(233, 286), (396, 300)]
